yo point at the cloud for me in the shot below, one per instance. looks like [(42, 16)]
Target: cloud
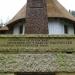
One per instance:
[(8, 8), (68, 4)]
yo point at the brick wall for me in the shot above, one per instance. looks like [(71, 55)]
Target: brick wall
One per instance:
[(36, 17)]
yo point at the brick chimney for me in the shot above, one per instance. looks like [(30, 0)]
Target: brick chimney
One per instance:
[(36, 17)]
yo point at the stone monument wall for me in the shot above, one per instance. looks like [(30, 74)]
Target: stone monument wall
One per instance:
[(37, 53)]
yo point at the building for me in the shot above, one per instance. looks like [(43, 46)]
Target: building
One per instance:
[(3, 29), (72, 12), (43, 48), (60, 21)]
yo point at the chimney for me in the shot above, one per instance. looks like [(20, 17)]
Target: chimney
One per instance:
[(36, 17)]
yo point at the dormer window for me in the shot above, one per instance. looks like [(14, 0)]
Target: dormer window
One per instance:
[(65, 29), (58, 27), (74, 29), (55, 27), (21, 29)]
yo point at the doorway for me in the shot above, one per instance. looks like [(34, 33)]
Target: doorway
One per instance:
[(35, 73)]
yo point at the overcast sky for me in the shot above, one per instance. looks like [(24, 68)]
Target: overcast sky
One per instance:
[(8, 8)]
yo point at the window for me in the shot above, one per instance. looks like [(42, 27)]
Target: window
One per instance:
[(21, 29), (55, 28), (65, 29), (74, 29)]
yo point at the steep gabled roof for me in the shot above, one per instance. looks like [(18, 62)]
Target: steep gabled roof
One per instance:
[(20, 15), (54, 9)]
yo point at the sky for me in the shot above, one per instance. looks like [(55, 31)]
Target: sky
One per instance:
[(8, 8)]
